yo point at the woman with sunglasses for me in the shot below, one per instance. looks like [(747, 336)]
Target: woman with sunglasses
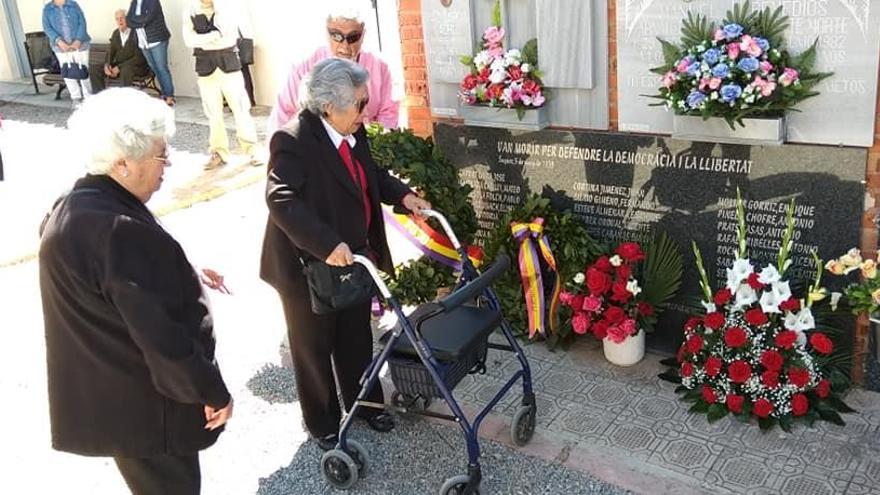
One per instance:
[(345, 36), (324, 192)]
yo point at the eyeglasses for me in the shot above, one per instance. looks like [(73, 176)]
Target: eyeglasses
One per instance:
[(351, 38), (166, 158), (362, 104)]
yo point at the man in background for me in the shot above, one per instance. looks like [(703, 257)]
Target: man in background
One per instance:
[(124, 62)]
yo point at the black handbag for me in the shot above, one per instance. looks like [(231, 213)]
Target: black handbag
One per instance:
[(335, 288), (245, 49)]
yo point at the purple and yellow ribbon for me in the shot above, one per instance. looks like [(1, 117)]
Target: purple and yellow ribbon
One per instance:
[(531, 274), (430, 242)]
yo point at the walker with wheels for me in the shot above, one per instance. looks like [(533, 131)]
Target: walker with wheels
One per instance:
[(429, 353)]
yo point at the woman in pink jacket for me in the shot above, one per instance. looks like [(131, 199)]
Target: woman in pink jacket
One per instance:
[(345, 35)]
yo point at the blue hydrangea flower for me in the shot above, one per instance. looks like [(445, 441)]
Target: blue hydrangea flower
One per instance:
[(695, 99), (711, 56), (730, 92), (748, 64), (693, 69), (721, 70), (763, 43), (732, 30)]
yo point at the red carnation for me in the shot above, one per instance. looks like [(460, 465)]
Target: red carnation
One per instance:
[(630, 251), (772, 360), (469, 82), (679, 356), (694, 343), (735, 337), (623, 271), (823, 389), (645, 309), (755, 317), (722, 297), (530, 86), (600, 329), (754, 282), (770, 379), (494, 91), (709, 394), (514, 72), (598, 282), (786, 339), (799, 404), (714, 320), (692, 323), (799, 377), (821, 343), (614, 315), (687, 369), (604, 264), (483, 76), (619, 293), (735, 403), (790, 304), (577, 301), (713, 366), (763, 408), (739, 371)]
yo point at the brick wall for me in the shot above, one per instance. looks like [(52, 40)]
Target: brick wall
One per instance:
[(414, 68)]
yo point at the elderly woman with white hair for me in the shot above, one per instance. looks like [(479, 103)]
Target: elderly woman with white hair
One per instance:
[(345, 36), (324, 192), (129, 334)]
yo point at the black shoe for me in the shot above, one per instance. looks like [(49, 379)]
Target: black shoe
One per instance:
[(327, 442), (381, 422)]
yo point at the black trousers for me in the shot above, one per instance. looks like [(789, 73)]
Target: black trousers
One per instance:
[(320, 344), (162, 474)]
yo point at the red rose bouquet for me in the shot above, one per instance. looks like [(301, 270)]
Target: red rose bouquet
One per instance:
[(605, 299), (757, 351)]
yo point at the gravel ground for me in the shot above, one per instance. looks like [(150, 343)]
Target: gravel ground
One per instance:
[(189, 137)]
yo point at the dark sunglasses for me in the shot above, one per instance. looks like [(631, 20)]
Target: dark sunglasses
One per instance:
[(362, 104), (351, 38)]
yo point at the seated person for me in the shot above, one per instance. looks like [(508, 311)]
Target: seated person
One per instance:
[(125, 61)]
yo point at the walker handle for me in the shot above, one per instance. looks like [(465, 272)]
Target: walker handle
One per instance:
[(402, 210), (368, 264)]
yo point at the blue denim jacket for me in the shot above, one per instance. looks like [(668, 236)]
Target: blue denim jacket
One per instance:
[(52, 22)]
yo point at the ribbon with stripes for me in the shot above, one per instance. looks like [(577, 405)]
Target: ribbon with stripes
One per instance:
[(533, 242), (430, 242)]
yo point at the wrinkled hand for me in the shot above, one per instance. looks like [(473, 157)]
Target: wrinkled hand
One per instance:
[(75, 45), (214, 281), (61, 44), (341, 256), (215, 418), (415, 204), (114, 72), (108, 71)]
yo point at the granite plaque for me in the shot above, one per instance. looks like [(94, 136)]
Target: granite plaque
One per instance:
[(625, 186), (849, 43)]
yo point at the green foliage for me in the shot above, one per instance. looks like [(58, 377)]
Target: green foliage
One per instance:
[(530, 52), (419, 163), (741, 14), (496, 14), (772, 25), (696, 29), (572, 247), (661, 275)]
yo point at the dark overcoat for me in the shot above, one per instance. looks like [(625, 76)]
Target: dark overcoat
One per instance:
[(129, 335)]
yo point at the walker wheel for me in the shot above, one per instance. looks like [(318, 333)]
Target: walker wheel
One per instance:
[(523, 426), (417, 403), (359, 455), (339, 469), (456, 485)]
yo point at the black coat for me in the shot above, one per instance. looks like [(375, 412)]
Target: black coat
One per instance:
[(152, 19), (314, 204), (127, 55), (129, 337)]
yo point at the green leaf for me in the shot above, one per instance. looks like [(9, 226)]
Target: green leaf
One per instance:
[(496, 14), (766, 423), (839, 405), (832, 416), (670, 362), (530, 52), (716, 412), (466, 60), (662, 271), (671, 54), (680, 389), (699, 407), (785, 423)]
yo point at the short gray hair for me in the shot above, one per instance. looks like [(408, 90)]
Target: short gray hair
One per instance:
[(118, 124), (332, 82), (346, 10)]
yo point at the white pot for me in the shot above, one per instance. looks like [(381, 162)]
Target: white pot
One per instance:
[(626, 353)]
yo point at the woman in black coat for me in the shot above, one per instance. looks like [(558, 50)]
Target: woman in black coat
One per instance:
[(129, 334), (324, 193)]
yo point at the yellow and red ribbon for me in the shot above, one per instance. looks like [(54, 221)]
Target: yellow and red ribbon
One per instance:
[(532, 276), (430, 242)]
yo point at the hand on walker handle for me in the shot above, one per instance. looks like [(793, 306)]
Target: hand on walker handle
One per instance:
[(414, 204), (341, 256)]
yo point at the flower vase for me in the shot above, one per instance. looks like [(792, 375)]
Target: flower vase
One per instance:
[(626, 353), (533, 119), (757, 131)]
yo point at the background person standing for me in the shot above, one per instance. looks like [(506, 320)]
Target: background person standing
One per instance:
[(65, 25), (210, 28), (148, 21)]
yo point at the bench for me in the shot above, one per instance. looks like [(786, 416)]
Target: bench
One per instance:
[(97, 57)]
